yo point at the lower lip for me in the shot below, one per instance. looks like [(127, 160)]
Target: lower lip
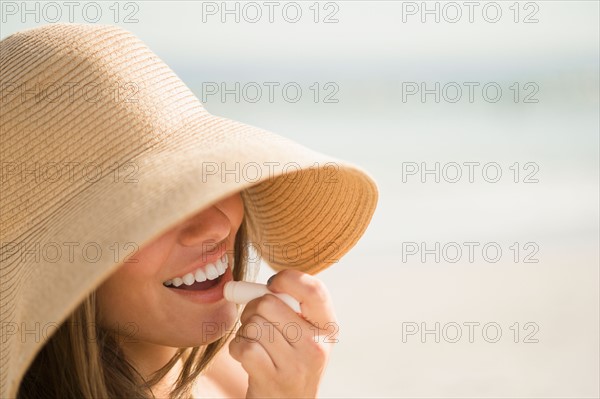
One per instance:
[(213, 294)]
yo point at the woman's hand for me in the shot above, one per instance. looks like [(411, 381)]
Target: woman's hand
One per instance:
[(284, 353)]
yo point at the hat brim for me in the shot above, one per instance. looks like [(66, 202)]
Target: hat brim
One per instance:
[(307, 209)]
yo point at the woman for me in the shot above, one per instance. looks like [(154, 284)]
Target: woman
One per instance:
[(135, 307)]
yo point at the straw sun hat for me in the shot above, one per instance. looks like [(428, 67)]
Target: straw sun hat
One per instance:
[(102, 145)]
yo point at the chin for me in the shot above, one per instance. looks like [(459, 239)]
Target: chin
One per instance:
[(218, 324)]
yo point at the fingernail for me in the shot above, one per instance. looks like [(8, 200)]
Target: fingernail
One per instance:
[(270, 280)]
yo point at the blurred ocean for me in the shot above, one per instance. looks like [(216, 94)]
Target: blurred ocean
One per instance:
[(370, 58)]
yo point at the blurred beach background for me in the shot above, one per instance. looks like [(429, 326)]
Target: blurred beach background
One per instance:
[(535, 311)]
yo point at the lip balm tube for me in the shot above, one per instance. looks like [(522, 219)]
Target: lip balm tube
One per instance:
[(242, 292)]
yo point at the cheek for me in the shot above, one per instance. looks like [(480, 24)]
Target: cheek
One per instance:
[(125, 297)]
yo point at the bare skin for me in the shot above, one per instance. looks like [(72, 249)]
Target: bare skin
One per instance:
[(282, 363)]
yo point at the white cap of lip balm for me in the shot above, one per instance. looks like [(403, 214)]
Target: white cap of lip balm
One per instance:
[(243, 292)]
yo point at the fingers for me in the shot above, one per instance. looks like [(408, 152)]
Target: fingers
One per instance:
[(257, 330), (281, 350), (294, 330), (252, 356), (275, 356), (312, 294)]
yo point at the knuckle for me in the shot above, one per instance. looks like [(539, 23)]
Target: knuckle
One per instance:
[(232, 348), (252, 320), (259, 306), (246, 349), (316, 289), (266, 304), (235, 350), (251, 349), (247, 313), (318, 353), (291, 273)]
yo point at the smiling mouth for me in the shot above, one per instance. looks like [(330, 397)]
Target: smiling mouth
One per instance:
[(203, 278), (198, 286)]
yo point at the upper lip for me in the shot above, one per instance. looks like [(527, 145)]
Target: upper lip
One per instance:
[(204, 259)]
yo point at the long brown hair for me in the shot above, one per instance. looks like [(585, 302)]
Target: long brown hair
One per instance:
[(73, 364)]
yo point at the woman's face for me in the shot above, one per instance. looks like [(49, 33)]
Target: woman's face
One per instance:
[(135, 300)]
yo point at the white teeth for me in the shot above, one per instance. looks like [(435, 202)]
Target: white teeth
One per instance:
[(200, 275), (224, 263), (220, 266), (188, 279), (208, 272), (177, 281), (211, 272)]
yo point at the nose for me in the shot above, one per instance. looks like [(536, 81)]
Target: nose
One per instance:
[(207, 229)]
